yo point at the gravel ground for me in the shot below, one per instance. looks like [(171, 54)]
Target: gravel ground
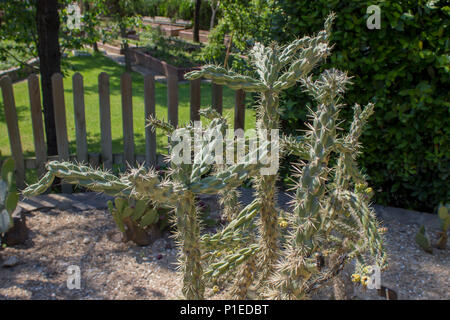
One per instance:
[(111, 269)]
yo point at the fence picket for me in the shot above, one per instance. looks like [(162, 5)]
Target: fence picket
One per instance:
[(80, 118), (105, 121), (13, 129), (172, 99), (150, 136), (60, 123), (195, 93), (40, 148), (217, 97), (239, 110), (127, 118), (106, 157)]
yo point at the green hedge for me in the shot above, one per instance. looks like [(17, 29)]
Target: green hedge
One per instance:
[(404, 68), (177, 9)]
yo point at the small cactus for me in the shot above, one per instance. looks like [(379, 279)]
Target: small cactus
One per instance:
[(134, 218), (423, 241), (444, 217), (8, 197)]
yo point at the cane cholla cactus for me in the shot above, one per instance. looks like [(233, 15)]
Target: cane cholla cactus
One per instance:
[(331, 222), (331, 219), (278, 68)]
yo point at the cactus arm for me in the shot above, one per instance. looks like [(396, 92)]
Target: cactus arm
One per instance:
[(154, 123), (232, 177), (242, 220), (147, 185), (371, 237), (41, 186), (95, 180), (306, 218), (307, 60), (210, 113), (244, 279), (189, 259), (202, 153), (295, 146), (231, 261), (288, 53), (228, 78), (229, 179)]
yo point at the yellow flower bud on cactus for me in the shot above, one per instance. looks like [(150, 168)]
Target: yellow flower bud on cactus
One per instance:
[(215, 289), (356, 277), (369, 190), (382, 230), (364, 280), (367, 269), (283, 224), (218, 254), (359, 187)]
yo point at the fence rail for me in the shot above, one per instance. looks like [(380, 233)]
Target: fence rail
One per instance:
[(104, 157)]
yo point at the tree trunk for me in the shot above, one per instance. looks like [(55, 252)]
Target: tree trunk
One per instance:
[(126, 52), (213, 17), (85, 8), (197, 20), (214, 8), (47, 20)]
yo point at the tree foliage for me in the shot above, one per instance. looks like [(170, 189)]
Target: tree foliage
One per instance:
[(403, 68), (18, 31)]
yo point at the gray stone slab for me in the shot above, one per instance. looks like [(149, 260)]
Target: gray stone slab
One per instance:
[(78, 201), (405, 216), (96, 201)]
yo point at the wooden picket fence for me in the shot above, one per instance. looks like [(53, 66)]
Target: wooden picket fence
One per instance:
[(103, 158)]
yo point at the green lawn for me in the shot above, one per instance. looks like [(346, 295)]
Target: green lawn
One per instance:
[(90, 68)]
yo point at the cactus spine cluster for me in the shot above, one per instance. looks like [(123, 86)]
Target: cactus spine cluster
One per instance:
[(330, 223)]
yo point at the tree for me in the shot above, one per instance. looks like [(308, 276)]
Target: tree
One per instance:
[(18, 34), (124, 17), (38, 28), (92, 21), (215, 4), (47, 23), (198, 4)]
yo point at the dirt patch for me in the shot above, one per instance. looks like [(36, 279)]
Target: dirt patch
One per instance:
[(111, 269)]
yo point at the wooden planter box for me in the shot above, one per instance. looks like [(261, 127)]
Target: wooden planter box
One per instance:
[(138, 56), (169, 30), (109, 48), (189, 35), (166, 21)]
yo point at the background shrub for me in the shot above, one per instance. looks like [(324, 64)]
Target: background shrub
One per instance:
[(178, 9), (404, 69)]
